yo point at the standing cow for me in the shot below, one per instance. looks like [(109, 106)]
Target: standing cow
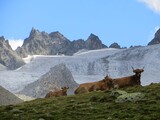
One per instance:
[(130, 80), (105, 84)]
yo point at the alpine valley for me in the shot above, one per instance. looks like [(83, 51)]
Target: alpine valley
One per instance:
[(46, 62)]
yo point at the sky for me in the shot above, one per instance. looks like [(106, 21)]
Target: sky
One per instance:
[(127, 22)]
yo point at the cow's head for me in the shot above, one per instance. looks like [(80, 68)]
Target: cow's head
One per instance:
[(108, 81), (138, 74), (64, 89), (138, 71)]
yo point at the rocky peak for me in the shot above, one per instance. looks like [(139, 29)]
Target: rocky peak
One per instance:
[(4, 43), (36, 34), (57, 36), (157, 34), (114, 45), (2, 38), (8, 57), (93, 42), (93, 37), (42, 43), (156, 39)]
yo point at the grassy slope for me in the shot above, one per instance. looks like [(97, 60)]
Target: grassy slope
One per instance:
[(92, 106)]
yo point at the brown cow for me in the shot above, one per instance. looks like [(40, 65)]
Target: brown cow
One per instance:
[(62, 92), (130, 80), (104, 84)]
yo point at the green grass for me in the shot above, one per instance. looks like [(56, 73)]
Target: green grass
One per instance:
[(98, 105)]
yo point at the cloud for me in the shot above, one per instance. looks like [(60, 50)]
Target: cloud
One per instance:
[(152, 4), (15, 43)]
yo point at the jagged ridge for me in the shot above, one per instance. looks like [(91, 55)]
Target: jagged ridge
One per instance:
[(42, 43), (8, 57)]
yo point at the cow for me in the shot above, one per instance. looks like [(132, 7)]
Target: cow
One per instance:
[(130, 80), (105, 84), (62, 92)]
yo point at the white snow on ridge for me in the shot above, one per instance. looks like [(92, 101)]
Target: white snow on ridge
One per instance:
[(28, 59), (93, 52), (87, 66)]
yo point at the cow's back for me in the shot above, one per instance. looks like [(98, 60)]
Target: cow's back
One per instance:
[(123, 82), (84, 88)]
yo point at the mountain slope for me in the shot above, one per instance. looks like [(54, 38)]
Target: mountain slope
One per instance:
[(8, 98), (156, 39), (58, 76), (87, 66), (38, 65), (8, 57)]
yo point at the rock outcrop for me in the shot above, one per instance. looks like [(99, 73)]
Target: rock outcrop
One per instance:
[(115, 45), (156, 39), (8, 98), (42, 43), (8, 57), (93, 42), (56, 78)]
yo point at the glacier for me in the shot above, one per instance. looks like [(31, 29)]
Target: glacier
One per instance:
[(87, 66)]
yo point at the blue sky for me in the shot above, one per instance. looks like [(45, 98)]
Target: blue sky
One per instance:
[(127, 22)]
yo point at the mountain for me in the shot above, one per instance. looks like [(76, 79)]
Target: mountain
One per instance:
[(8, 57), (156, 39), (42, 43), (114, 45), (58, 76), (8, 98), (80, 65), (88, 66), (93, 42)]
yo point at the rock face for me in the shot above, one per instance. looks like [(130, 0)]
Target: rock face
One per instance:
[(56, 78), (156, 39), (114, 45), (42, 43), (93, 42), (8, 98), (8, 57)]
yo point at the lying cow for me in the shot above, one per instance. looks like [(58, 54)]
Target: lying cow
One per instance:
[(130, 80), (105, 84), (62, 92)]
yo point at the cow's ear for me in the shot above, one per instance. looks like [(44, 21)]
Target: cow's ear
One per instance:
[(142, 70), (134, 71)]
